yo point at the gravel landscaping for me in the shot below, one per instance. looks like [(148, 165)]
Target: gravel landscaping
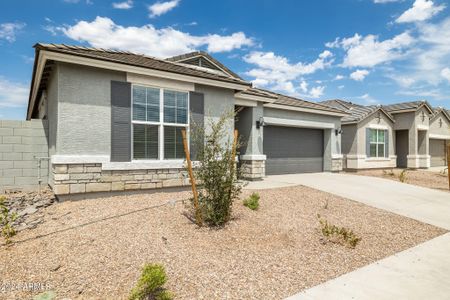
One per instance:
[(95, 248), (423, 178)]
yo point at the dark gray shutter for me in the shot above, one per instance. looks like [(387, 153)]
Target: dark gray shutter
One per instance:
[(120, 121), (368, 142), (386, 143), (197, 122)]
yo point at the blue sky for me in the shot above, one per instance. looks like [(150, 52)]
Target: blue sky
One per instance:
[(365, 51)]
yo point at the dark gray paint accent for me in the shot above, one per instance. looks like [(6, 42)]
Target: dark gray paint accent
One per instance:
[(197, 122), (120, 121), (401, 147), (293, 150), (386, 143), (368, 142), (243, 124)]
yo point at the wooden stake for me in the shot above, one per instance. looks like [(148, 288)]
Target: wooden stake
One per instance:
[(198, 215), (448, 164)]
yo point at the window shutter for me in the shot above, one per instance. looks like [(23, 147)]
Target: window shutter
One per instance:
[(386, 143), (368, 142), (120, 121), (197, 112)]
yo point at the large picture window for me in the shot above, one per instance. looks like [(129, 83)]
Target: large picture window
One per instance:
[(377, 143), (159, 115)]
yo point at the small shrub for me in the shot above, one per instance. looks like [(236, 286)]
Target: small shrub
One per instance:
[(6, 221), (252, 202), (216, 170), (337, 234), (402, 177), (150, 284)]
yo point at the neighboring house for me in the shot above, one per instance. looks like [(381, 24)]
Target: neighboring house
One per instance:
[(439, 137), (115, 119), (412, 124), (367, 136)]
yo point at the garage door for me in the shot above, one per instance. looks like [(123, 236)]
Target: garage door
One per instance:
[(437, 153), (293, 150)]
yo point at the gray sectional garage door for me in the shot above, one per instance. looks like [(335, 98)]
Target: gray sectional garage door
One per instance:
[(437, 153), (293, 150)]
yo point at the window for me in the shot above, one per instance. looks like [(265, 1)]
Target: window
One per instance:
[(377, 143), (159, 116)]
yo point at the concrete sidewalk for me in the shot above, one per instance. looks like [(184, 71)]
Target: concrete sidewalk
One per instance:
[(423, 204), (422, 272)]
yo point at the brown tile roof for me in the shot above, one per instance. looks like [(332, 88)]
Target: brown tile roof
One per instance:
[(356, 112), (137, 60), (414, 105), (291, 101)]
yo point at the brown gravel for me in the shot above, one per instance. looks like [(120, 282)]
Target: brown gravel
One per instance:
[(268, 254), (427, 179)]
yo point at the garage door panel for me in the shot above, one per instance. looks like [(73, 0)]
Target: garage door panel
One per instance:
[(293, 165), (437, 153), (293, 150)]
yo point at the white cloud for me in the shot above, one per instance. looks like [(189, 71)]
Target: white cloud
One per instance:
[(76, 1), (316, 92), (341, 87), (8, 31), (368, 51), (160, 8), (368, 100), (104, 33), (359, 75), (420, 11), (123, 5), (339, 77), (13, 94), (446, 74), (278, 73)]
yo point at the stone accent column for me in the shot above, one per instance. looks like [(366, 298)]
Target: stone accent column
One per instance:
[(253, 167)]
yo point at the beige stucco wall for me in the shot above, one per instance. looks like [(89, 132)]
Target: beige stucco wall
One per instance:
[(440, 125)]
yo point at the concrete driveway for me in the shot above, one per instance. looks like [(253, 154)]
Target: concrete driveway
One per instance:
[(422, 272)]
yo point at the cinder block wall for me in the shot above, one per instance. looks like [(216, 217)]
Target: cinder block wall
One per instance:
[(22, 143)]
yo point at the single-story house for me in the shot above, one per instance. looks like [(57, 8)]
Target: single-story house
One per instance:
[(115, 119), (439, 137), (367, 136)]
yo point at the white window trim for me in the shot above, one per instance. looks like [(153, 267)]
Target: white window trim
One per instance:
[(378, 143), (160, 125)]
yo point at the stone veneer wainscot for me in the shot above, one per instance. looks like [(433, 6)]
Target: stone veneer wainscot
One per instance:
[(90, 177)]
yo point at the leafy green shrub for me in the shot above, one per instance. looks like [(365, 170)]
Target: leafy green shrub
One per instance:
[(402, 177), (6, 221), (150, 284), (252, 202), (216, 170), (337, 234)]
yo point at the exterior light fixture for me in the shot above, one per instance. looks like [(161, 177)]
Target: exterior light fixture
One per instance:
[(260, 123), (338, 131)]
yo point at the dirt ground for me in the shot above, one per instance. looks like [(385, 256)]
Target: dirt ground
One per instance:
[(423, 178), (95, 248)]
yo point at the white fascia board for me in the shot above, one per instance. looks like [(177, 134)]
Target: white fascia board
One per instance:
[(297, 123), (243, 102), (45, 55), (303, 109), (422, 127), (254, 98), (439, 136)]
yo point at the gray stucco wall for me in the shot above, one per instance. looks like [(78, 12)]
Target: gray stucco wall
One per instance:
[(218, 101), (84, 109), (349, 139), (22, 143), (440, 125), (252, 136)]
